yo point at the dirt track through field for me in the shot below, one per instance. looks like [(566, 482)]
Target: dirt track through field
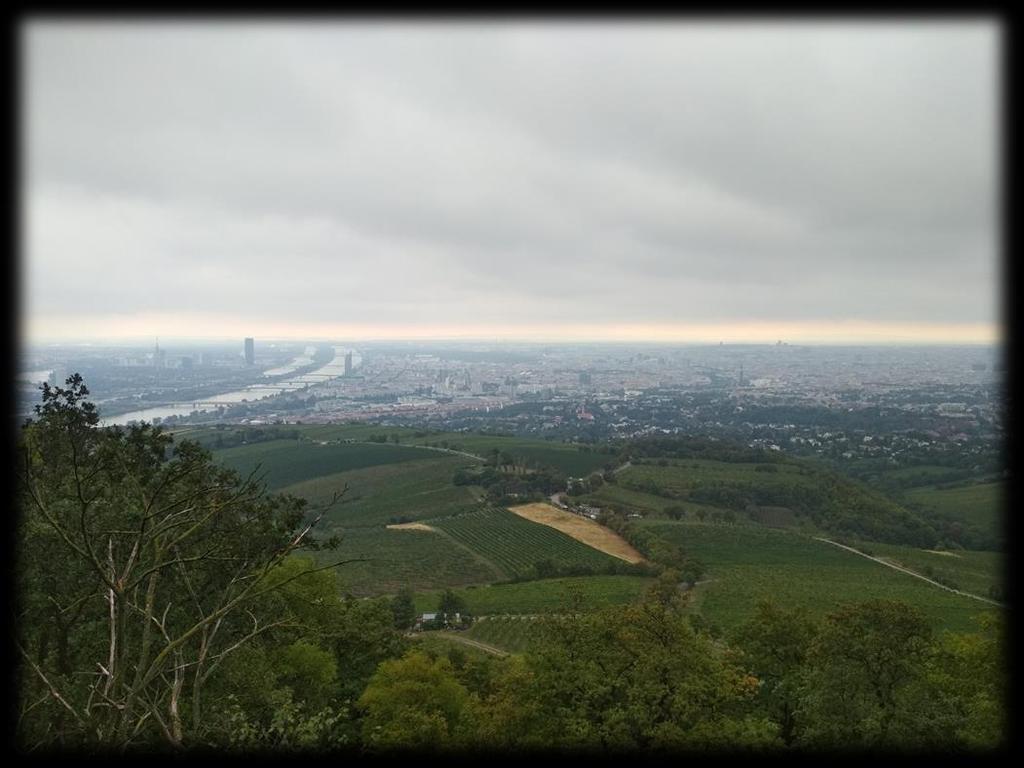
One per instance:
[(909, 572), (474, 643), (580, 528)]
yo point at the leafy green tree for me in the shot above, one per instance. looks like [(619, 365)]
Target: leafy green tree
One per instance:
[(545, 568), (452, 604), (403, 608), (864, 667), (151, 557), (637, 677), (412, 703), (675, 512), (503, 711), (967, 675), (774, 646), (364, 637), (309, 671)]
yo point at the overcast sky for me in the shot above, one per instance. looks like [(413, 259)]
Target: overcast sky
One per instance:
[(577, 180)]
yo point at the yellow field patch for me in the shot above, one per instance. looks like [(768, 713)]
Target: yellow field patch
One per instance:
[(580, 528), (942, 552), (412, 527)]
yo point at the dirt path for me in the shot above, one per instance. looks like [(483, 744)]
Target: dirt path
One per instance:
[(910, 572), (474, 643)]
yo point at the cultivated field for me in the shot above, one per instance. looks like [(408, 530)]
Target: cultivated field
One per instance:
[(390, 560), (387, 493), (575, 593), (581, 529), (515, 545), (746, 563), (287, 462), (969, 570)]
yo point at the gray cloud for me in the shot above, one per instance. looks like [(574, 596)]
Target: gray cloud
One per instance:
[(517, 173)]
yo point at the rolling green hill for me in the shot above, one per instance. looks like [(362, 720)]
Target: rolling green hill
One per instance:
[(777, 490), (474, 545)]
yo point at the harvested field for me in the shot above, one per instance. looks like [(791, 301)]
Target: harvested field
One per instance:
[(411, 527), (942, 552), (581, 529)]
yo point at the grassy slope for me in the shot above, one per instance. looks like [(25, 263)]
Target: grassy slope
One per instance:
[(746, 563), (972, 571)]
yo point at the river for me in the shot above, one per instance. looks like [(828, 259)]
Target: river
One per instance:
[(332, 370)]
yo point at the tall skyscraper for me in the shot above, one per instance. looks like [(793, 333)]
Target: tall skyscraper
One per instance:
[(348, 362), (159, 356), (250, 351)]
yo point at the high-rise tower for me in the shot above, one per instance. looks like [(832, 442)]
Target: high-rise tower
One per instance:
[(250, 351)]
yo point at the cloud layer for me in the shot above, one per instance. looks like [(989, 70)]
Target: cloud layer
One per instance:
[(504, 175)]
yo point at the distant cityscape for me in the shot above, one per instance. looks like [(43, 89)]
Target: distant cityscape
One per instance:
[(845, 403)]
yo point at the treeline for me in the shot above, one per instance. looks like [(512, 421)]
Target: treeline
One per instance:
[(549, 569), (664, 556), (512, 481), (870, 676), (698, 448)]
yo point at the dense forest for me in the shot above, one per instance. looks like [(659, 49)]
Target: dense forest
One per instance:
[(165, 603)]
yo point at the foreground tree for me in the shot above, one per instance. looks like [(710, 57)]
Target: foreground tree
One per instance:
[(863, 687), (773, 646), (139, 567), (414, 702), (638, 677)]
